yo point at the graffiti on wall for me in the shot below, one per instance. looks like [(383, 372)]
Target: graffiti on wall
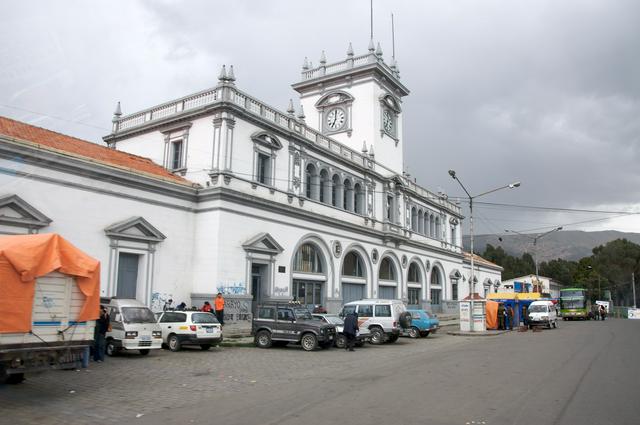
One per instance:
[(280, 291), (232, 288), (237, 309), (158, 300)]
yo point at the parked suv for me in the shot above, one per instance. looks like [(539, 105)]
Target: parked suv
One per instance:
[(189, 328), (383, 318), (282, 323)]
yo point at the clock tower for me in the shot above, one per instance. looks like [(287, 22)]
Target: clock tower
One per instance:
[(358, 102)]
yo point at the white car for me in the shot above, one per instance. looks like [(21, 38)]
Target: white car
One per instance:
[(383, 318), (363, 336), (189, 328)]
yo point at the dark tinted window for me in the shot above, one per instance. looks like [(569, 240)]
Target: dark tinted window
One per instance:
[(203, 318), (267, 313), (171, 317), (365, 310), (383, 311)]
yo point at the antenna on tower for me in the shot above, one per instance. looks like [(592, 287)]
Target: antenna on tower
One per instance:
[(371, 24), (393, 39)]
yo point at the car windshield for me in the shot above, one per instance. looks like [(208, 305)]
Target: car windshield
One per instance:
[(302, 313), (138, 315), (538, 309), (203, 318)]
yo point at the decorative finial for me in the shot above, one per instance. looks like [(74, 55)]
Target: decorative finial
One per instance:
[(323, 59), (223, 74), (372, 47), (305, 64), (290, 109), (118, 111), (301, 115), (230, 76), (350, 50), (379, 51), (364, 147)]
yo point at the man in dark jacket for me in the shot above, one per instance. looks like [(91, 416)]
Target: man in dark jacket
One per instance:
[(350, 329), (100, 335)]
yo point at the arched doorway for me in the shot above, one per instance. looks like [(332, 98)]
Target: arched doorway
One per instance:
[(414, 285), (309, 276), (353, 277), (387, 279)]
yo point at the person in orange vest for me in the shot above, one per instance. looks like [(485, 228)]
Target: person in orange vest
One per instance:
[(219, 308)]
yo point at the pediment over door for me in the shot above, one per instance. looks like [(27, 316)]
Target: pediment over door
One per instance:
[(16, 212), (263, 243), (135, 228)]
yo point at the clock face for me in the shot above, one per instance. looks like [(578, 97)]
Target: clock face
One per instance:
[(335, 119), (387, 122)]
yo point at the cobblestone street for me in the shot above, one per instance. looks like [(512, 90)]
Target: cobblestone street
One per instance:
[(129, 385)]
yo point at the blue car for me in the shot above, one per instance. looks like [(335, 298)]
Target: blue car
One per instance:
[(422, 324)]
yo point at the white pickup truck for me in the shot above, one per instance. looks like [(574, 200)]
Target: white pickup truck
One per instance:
[(57, 340)]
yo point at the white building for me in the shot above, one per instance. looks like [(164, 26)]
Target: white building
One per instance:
[(249, 200), (545, 285)]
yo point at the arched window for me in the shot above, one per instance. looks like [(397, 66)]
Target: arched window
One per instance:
[(414, 219), (336, 191), (308, 260), (358, 199), (414, 274), (353, 265), (324, 187), (387, 270)]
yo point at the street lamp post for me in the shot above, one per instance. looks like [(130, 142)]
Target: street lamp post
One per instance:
[(535, 246), (472, 288)]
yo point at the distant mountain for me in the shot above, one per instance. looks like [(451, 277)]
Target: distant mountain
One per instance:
[(568, 245)]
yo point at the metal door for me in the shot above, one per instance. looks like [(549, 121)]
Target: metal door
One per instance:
[(127, 275)]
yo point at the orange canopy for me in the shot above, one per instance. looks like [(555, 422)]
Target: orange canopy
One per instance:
[(24, 258), (492, 314)]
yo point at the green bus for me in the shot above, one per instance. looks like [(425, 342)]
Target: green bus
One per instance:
[(574, 304)]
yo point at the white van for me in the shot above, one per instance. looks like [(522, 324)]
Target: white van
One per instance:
[(133, 327), (542, 313), (383, 318)]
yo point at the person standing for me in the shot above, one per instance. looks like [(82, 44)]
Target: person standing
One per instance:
[(350, 329), (100, 335), (219, 308)]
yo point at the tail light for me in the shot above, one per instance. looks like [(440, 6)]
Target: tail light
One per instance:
[(193, 328)]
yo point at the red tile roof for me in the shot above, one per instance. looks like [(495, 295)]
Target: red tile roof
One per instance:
[(50, 140)]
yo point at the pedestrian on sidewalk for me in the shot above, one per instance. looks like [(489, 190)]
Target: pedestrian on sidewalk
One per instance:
[(100, 335), (219, 308), (350, 330)]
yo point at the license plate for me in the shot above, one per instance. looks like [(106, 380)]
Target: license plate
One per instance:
[(145, 338), (209, 330)]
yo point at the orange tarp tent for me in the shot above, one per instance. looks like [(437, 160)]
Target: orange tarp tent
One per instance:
[(492, 314), (24, 258)]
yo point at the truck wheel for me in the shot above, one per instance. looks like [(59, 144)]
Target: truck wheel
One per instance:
[(309, 342), (145, 351), (14, 379), (405, 319), (377, 336), (263, 339), (414, 332), (174, 343), (111, 349), (341, 341)]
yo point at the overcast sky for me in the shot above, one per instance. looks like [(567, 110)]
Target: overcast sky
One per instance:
[(542, 92)]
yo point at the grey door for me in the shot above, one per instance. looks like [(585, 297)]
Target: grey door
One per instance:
[(352, 292), (387, 292), (127, 275)]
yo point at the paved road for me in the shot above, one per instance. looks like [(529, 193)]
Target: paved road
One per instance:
[(581, 373)]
